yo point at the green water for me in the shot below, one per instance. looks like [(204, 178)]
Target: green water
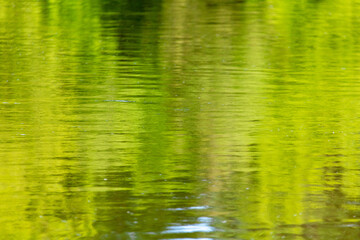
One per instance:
[(180, 119)]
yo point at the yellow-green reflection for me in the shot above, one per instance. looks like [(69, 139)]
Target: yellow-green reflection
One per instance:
[(179, 119)]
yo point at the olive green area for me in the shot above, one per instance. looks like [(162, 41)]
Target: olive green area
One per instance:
[(193, 119)]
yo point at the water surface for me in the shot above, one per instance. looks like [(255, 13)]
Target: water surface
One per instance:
[(179, 119)]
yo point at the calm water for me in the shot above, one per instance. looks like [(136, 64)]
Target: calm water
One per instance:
[(180, 119)]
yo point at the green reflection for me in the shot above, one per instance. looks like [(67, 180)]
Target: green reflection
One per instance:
[(179, 119)]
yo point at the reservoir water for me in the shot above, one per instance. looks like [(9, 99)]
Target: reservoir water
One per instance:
[(180, 119)]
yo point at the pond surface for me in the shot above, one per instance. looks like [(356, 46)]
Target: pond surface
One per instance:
[(180, 119)]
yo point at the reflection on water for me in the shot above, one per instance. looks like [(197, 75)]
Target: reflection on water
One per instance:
[(179, 119)]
